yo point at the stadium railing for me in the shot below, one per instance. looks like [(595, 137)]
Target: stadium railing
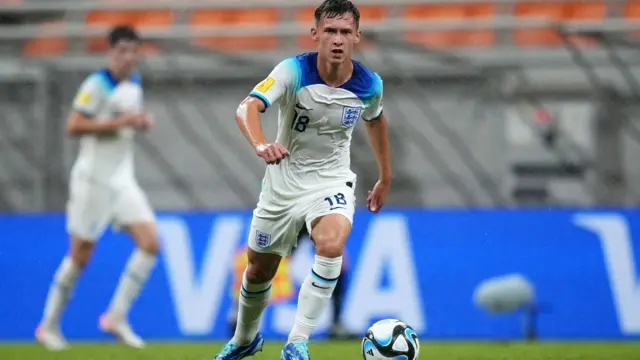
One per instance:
[(257, 25)]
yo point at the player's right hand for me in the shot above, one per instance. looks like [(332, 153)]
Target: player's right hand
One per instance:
[(146, 122), (272, 153)]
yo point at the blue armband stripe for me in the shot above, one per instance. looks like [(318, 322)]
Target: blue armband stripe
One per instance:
[(266, 101)]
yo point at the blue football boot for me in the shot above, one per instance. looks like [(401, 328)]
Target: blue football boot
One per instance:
[(296, 350), (233, 351)]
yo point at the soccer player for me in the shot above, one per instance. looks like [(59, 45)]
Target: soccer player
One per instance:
[(308, 181), (106, 114)]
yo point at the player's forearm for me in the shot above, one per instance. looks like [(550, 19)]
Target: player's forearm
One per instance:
[(379, 139), (248, 119), (92, 127)]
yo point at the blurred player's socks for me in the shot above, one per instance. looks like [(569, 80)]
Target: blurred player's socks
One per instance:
[(314, 296), (251, 303), (59, 292), (132, 280)]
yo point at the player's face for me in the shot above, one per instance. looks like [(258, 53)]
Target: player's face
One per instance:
[(336, 37), (124, 56)]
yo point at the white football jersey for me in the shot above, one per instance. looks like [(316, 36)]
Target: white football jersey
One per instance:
[(315, 123), (107, 158)]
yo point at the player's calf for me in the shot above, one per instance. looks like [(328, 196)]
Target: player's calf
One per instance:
[(64, 281), (254, 294), (329, 234), (137, 271), (60, 291), (135, 275)]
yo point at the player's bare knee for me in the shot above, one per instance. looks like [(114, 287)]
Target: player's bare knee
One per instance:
[(145, 237), (329, 244), (81, 251), (149, 245), (260, 273), (330, 250), (261, 268)]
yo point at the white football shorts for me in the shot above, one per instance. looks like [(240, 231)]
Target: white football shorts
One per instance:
[(93, 206), (275, 226)]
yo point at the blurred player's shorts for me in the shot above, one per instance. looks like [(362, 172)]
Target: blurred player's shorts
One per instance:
[(92, 206)]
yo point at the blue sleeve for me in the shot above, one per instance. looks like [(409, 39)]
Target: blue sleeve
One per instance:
[(374, 108)]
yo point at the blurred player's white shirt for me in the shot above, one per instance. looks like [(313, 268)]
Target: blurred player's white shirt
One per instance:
[(107, 158), (315, 124)]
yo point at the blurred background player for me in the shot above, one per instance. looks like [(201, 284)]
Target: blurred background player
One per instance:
[(107, 112), (308, 180)]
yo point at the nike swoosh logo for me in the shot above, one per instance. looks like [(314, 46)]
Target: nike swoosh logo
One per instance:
[(319, 287), (337, 207)]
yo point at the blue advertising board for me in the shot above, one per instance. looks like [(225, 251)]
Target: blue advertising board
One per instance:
[(420, 266)]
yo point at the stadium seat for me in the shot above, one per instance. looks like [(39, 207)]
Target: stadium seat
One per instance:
[(105, 19), (369, 15), (632, 9), (157, 19), (236, 17), (585, 11), (452, 12), (138, 19), (632, 12), (46, 46), (561, 11)]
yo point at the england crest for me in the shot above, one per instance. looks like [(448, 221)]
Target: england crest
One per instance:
[(263, 239), (350, 116)]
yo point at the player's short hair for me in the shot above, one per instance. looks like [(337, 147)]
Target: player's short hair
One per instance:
[(335, 8), (122, 33)]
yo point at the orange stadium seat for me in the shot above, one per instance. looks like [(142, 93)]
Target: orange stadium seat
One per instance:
[(632, 9), (305, 17), (46, 46), (138, 19), (632, 12), (369, 15), (585, 11), (452, 12), (239, 17), (561, 11), (105, 18), (157, 19)]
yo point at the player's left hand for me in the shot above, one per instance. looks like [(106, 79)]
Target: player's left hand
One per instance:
[(377, 196), (146, 121)]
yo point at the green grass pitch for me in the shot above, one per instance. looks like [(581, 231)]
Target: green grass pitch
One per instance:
[(335, 351)]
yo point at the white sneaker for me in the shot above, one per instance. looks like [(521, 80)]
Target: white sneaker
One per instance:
[(51, 339), (121, 330)]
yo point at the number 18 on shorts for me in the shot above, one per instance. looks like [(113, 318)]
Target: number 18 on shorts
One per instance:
[(275, 227)]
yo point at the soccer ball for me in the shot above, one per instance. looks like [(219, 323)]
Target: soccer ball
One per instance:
[(390, 339)]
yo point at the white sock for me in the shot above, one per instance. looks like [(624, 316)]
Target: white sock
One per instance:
[(314, 296), (132, 279), (251, 303), (60, 291)]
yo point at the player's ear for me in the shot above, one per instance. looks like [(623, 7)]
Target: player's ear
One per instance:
[(314, 34), (358, 36)]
